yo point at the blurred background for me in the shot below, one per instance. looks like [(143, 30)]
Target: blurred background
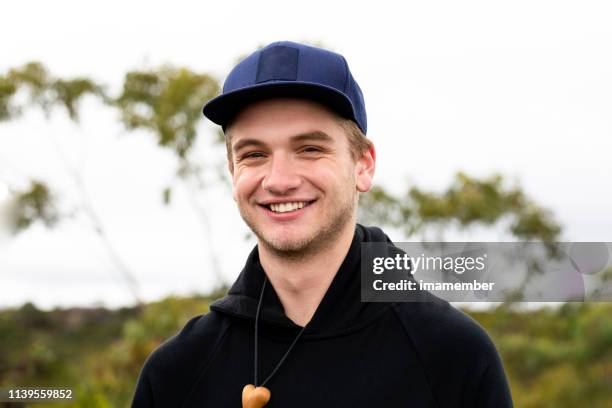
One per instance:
[(492, 122)]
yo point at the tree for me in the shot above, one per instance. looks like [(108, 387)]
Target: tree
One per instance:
[(466, 202)]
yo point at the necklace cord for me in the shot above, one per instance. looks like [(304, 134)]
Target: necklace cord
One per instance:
[(263, 287)]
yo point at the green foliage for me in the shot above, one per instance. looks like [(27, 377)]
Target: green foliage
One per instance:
[(378, 206), (69, 92), (34, 77), (167, 195), (555, 357), (33, 204), (559, 357), (167, 101), (533, 222), (467, 201), (7, 90), (43, 90)]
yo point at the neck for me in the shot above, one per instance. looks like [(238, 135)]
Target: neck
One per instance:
[(301, 282)]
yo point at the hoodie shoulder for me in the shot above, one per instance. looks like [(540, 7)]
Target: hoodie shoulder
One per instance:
[(170, 370), (458, 356)]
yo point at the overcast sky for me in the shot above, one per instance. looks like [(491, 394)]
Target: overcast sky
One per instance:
[(523, 88)]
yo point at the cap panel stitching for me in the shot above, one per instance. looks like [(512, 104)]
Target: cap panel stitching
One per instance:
[(298, 70), (256, 73), (346, 74)]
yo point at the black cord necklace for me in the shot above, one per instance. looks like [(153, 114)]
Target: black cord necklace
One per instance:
[(254, 396)]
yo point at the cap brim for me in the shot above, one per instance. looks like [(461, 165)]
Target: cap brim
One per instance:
[(223, 108)]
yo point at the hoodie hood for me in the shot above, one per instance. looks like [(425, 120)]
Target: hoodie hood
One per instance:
[(340, 311)]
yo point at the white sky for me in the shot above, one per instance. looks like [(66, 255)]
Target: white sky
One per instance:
[(522, 87)]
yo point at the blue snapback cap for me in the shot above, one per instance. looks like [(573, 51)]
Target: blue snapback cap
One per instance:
[(288, 69)]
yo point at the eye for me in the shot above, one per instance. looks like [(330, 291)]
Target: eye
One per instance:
[(311, 149), (252, 155)]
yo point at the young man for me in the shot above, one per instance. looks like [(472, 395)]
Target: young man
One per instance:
[(292, 331)]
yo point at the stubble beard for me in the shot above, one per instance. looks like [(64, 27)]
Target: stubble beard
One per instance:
[(336, 222)]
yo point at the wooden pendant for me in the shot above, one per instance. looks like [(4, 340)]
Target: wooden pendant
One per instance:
[(255, 397)]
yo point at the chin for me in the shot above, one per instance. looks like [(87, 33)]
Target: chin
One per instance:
[(288, 242)]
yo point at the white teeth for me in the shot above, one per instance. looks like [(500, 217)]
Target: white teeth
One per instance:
[(285, 207)]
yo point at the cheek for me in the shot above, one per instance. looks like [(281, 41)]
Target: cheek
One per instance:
[(337, 177), (245, 183)]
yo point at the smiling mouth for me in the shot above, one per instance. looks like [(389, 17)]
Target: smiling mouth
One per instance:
[(287, 207)]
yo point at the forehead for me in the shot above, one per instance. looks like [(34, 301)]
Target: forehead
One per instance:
[(282, 118)]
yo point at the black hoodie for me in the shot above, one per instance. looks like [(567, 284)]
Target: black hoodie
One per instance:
[(352, 354)]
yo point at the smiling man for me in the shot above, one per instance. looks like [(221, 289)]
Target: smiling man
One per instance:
[(292, 331)]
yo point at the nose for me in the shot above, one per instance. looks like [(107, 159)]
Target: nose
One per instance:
[(281, 177)]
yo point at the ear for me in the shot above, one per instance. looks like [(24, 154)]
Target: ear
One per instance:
[(364, 169)]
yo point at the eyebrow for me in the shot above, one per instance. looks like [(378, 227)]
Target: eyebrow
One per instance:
[(316, 135)]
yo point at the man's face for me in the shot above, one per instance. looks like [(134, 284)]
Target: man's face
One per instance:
[(294, 179)]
